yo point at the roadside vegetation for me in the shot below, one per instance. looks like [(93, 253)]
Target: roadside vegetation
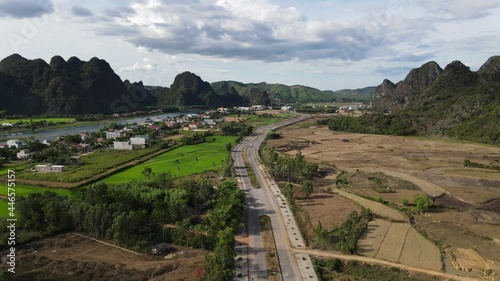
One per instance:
[(335, 269), (135, 215), (343, 238)]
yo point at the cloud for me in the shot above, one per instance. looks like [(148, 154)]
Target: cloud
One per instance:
[(145, 65), (460, 9), (81, 11), (247, 29), (26, 8)]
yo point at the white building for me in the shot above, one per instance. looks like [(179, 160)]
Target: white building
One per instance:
[(139, 140), (114, 135), (15, 143), (286, 108), (123, 145), (50, 168), (23, 154)]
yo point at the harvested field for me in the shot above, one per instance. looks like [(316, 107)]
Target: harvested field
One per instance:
[(329, 209), (393, 243), (435, 166), (71, 257), (399, 242), (410, 159), (369, 243), (378, 209), (470, 260), (420, 252)]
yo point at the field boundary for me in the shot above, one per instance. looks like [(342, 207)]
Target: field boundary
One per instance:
[(95, 178)]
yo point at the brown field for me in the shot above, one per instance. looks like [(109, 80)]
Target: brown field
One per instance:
[(378, 209), (370, 242), (399, 242), (329, 209), (420, 251), (71, 257), (470, 260), (393, 243), (395, 168)]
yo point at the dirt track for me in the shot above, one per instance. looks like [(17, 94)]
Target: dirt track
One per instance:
[(378, 209), (381, 262)]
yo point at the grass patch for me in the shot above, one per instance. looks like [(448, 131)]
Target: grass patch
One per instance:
[(4, 212), (335, 269), (183, 161), (93, 164), (25, 190)]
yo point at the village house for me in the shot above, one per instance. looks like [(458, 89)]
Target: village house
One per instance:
[(154, 127), (170, 124), (46, 142), (123, 145), (84, 137), (114, 135), (3, 146), (7, 124), (210, 122), (139, 140), (23, 154), (194, 125), (15, 143), (50, 168)]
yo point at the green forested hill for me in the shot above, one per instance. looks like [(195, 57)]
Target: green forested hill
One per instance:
[(279, 93), (456, 102)]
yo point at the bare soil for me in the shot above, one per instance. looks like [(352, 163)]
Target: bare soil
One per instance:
[(399, 242), (71, 257), (390, 167), (329, 209)]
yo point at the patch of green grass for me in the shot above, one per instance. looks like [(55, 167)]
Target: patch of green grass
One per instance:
[(54, 120), (4, 212), (183, 161), (93, 164), (24, 190)]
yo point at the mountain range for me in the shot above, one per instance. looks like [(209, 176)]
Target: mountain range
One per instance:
[(31, 87), (454, 102)]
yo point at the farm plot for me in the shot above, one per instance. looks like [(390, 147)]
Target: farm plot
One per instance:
[(420, 252), (393, 243), (378, 209), (399, 242), (183, 161), (370, 242)]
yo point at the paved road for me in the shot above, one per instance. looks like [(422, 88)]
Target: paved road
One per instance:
[(267, 201)]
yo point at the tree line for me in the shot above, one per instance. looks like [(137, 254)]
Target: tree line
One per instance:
[(135, 215)]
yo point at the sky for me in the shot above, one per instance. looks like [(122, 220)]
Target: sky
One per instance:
[(329, 45)]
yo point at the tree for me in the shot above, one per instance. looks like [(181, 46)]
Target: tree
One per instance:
[(306, 187), (422, 202), (221, 264), (147, 172), (177, 164)]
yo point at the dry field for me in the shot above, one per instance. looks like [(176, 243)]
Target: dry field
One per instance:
[(399, 242), (378, 209), (71, 257), (329, 209), (396, 168), (470, 260), (422, 162)]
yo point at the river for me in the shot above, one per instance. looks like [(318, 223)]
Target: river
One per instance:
[(52, 134)]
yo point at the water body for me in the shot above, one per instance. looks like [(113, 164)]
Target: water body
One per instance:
[(52, 134)]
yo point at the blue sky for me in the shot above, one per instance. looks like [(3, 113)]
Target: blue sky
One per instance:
[(330, 44)]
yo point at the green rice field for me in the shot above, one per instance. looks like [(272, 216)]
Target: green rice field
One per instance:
[(183, 161)]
